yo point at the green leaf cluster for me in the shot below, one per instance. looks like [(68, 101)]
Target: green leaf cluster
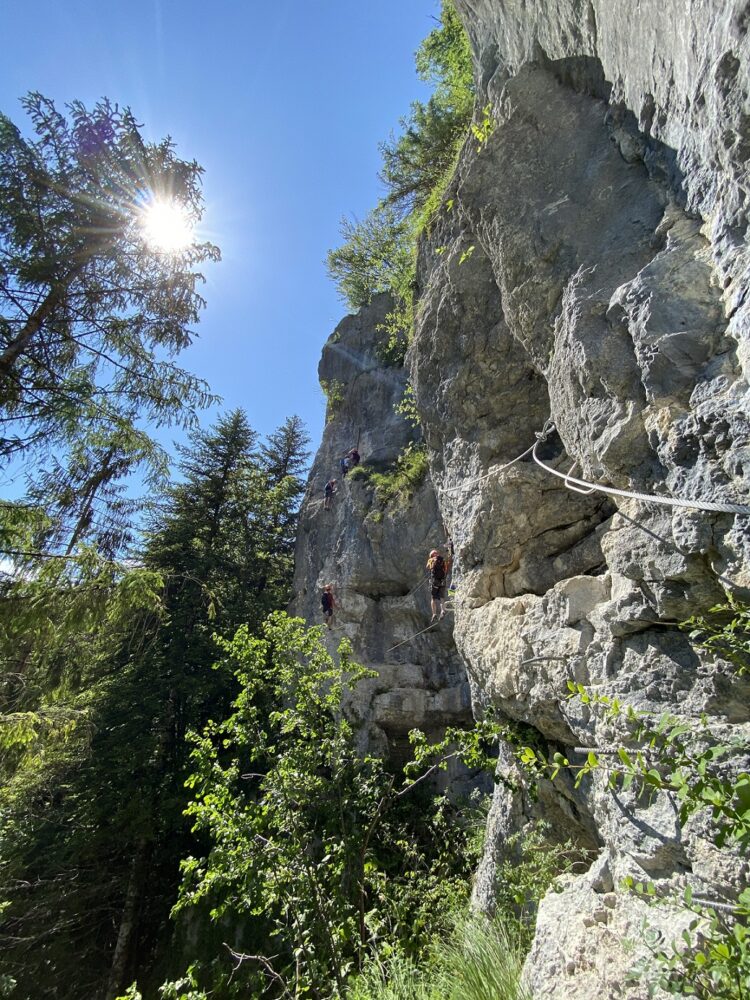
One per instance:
[(319, 856), (378, 254), (334, 391), (397, 485)]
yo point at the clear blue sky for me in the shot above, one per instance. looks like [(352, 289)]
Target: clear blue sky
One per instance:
[(283, 104)]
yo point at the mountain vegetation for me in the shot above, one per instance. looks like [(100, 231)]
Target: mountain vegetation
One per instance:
[(378, 253), (186, 808)]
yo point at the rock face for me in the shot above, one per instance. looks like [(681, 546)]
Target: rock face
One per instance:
[(590, 266), (374, 554)]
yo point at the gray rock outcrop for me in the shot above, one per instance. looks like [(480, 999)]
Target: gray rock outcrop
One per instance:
[(589, 266), (592, 268), (375, 554)]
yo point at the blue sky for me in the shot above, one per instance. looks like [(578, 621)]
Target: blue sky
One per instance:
[(283, 104)]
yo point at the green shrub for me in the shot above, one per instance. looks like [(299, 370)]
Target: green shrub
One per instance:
[(522, 881), (407, 406), (333, 391), (396, 485), (379, 254)]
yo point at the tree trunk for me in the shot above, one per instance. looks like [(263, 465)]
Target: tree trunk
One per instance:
[(33, 324), (128, 922), (93, 485), (30, 328)]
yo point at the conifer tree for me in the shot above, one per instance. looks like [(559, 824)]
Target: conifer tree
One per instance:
[(91, 312), (92, 819)]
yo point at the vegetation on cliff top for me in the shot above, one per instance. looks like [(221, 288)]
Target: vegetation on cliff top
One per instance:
[(379, 253)]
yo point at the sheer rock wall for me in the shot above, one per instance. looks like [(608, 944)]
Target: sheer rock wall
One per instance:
[(373, 556), (590, 265)]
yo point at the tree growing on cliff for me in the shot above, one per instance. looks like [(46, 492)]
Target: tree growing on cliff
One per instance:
[(377, 254)]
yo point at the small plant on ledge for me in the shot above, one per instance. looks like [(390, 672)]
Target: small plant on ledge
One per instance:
[(333, 390)]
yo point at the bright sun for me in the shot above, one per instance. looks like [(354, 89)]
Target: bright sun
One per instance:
[(166, 226)]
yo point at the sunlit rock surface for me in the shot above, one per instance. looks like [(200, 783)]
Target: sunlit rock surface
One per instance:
[(591, 266), (375, 556)]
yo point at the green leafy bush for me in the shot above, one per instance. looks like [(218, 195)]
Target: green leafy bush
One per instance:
[(407, 407), (397, 485), (333, 391), (379, 254), (318, 856), (724, 629)]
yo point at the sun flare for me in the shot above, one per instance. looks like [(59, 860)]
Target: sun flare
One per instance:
[(166, 226)]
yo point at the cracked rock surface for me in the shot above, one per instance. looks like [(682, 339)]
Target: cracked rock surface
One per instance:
[(589, 266), (374, 554), (592, 268)]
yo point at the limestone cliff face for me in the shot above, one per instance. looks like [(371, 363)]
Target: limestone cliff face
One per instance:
[(591, 266), (375, 555)]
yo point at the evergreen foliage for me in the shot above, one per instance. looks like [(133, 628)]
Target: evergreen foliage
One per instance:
[(378, 254), (90, 314), (91, 813), (415, 161)]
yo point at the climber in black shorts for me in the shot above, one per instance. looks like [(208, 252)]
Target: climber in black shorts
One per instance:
[(438, 570), (328, 601)]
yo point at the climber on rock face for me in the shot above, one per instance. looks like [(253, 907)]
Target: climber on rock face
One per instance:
[(344, 465), (329, 604), (353, 457), (438, 570), (330, 489)]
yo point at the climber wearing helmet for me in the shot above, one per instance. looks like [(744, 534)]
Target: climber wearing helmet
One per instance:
[(438, 570)]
